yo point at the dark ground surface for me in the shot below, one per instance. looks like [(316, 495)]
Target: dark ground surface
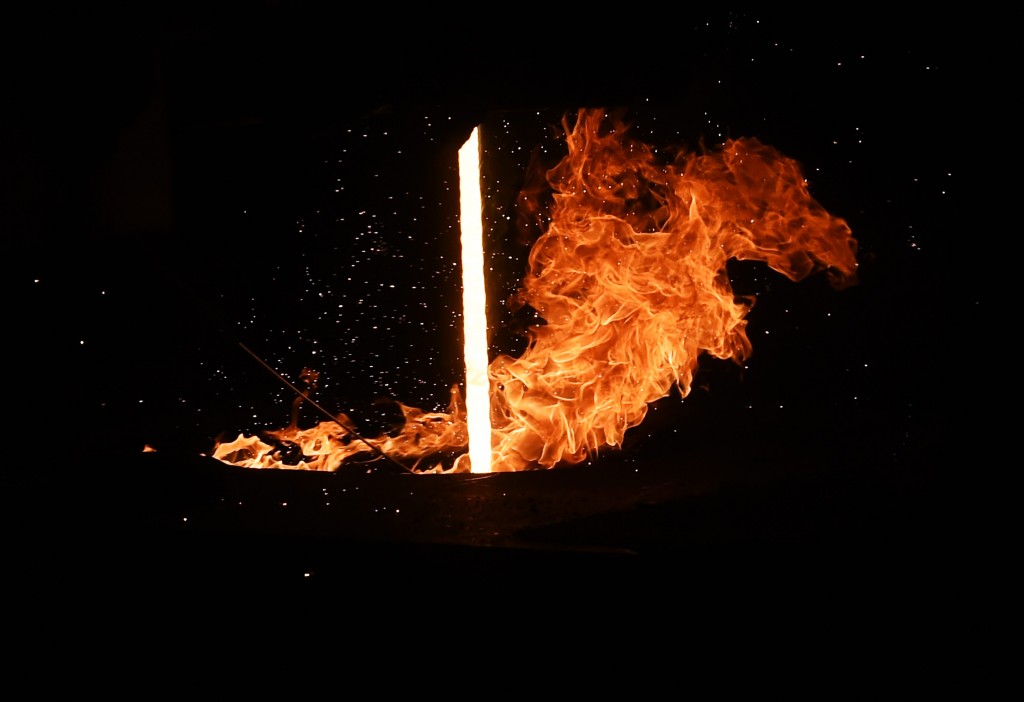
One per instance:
[(159, 520)]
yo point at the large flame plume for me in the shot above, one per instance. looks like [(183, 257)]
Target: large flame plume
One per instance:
[(630, 280)]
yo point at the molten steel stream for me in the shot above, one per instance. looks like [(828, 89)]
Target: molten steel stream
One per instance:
[(474, 307)]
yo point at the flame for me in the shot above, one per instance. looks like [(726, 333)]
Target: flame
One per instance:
[(630, 280)]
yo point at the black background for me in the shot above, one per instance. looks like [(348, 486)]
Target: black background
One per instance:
[(182, 179)]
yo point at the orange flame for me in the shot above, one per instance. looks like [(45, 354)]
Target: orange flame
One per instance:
[(630, 278)]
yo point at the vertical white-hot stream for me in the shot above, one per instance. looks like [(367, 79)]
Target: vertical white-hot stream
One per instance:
[(474, 307)]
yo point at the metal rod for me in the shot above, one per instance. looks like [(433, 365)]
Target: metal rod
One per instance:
[(333, 418)]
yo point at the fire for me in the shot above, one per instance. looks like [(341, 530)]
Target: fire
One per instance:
[(629, 277)]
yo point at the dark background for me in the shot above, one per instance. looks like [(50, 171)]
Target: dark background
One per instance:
[(182, 179)]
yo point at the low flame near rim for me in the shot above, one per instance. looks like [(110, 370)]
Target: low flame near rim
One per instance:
[(630, 279)]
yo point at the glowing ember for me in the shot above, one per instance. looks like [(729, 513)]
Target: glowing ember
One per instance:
[(630, 279)]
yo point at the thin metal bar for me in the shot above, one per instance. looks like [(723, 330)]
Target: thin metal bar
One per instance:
[(333, 418)]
